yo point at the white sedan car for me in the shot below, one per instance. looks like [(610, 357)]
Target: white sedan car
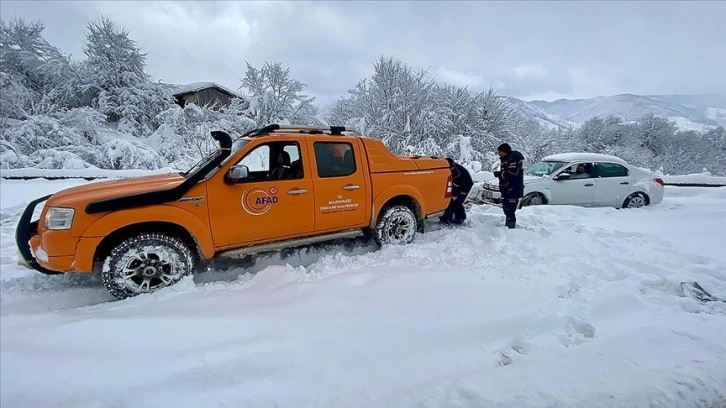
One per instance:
[(585, 179)]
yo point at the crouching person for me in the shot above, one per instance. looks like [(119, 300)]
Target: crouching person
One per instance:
[(461, 184), (511, 181)]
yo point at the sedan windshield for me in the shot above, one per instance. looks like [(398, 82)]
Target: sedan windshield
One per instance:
[(544, 168)]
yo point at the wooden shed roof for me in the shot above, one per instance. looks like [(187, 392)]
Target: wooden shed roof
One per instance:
[(198, 86)]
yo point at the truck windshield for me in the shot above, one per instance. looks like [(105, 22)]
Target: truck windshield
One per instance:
[(543, 168), (236, 146)]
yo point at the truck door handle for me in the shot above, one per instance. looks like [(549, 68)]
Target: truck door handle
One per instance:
[(625, 182), (297, 191), (351, 187), (589, 185)]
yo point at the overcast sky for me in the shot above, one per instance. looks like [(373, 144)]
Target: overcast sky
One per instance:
[(537, 50)]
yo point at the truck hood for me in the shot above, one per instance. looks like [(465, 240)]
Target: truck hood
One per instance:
[(79, 196)]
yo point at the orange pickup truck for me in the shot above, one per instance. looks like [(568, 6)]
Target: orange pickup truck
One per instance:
[(272, 188)]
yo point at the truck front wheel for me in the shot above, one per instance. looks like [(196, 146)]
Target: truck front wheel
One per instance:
[(145, 263), (397, 225)]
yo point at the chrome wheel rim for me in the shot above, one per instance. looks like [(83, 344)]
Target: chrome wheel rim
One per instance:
[(147, 271), (400, 227)]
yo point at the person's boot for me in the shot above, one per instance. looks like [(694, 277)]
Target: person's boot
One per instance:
[(510, 223)]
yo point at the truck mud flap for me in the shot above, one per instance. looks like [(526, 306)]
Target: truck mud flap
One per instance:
[(26, 230)]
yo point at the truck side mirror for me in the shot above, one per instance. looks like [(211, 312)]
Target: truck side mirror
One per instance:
[(562, 176), (237, 173)]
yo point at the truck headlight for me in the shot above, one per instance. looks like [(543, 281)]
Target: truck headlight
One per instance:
[(58, 218)]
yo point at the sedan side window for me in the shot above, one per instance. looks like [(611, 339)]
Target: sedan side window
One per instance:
[(611, 170), (579, 171)]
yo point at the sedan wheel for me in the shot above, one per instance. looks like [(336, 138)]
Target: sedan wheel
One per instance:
[(635, 200), (533, 199)]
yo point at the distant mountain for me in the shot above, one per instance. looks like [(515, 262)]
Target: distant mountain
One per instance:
[(697, 112), (543, 115)]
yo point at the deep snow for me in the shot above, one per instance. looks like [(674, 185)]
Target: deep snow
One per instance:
[(578, 307)]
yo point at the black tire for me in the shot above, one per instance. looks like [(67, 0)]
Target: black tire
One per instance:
[(397, 225), (532, 199), (151, 261), (636, 200)]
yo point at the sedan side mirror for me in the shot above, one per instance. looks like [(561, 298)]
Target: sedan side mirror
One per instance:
[(562, 176), (237, 174)]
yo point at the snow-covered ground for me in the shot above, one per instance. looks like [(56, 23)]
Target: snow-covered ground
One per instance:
[(578, 307), (704, 178)]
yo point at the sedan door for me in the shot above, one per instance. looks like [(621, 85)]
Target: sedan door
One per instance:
[(614, 184), (570, 187)]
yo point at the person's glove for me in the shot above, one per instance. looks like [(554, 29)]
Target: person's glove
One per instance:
[(498, 174)]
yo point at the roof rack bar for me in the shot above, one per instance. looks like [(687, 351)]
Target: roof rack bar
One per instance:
[(334, 130), (262, 130)]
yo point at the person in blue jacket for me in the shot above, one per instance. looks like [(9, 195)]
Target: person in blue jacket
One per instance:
[(461, 184), (511, 181)]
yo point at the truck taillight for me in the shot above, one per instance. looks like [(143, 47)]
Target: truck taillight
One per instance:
[(659, 181), (449, 181)]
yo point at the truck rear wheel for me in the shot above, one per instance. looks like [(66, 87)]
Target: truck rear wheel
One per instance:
[(145, 263), (397, 225)]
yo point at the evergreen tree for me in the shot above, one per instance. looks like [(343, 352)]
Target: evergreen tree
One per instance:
[(117, 79)]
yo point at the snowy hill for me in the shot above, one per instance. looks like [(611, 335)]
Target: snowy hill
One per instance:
[(696, 112), (544, 116)]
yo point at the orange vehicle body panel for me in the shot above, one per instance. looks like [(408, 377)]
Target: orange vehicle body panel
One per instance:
[(341, 202), (262, 211), (220, 215)]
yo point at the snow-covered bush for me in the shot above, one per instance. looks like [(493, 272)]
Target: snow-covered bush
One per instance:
[(122, 154), (57, 159)]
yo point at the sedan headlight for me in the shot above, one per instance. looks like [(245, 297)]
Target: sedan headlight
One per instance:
[(58, 218)]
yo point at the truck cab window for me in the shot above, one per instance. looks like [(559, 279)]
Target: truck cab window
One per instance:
[(274, 161), (334, 159)]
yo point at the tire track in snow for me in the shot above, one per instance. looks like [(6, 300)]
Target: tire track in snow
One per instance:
[(550, 242)]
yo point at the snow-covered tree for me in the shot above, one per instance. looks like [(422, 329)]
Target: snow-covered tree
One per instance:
[(653, 131), (184, 134), (533, 139), (117, 79), (412, 113), (34, 76), (275, 97)]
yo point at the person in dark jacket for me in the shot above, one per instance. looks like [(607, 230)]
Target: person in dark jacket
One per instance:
[(511, 181), (461, 184)]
